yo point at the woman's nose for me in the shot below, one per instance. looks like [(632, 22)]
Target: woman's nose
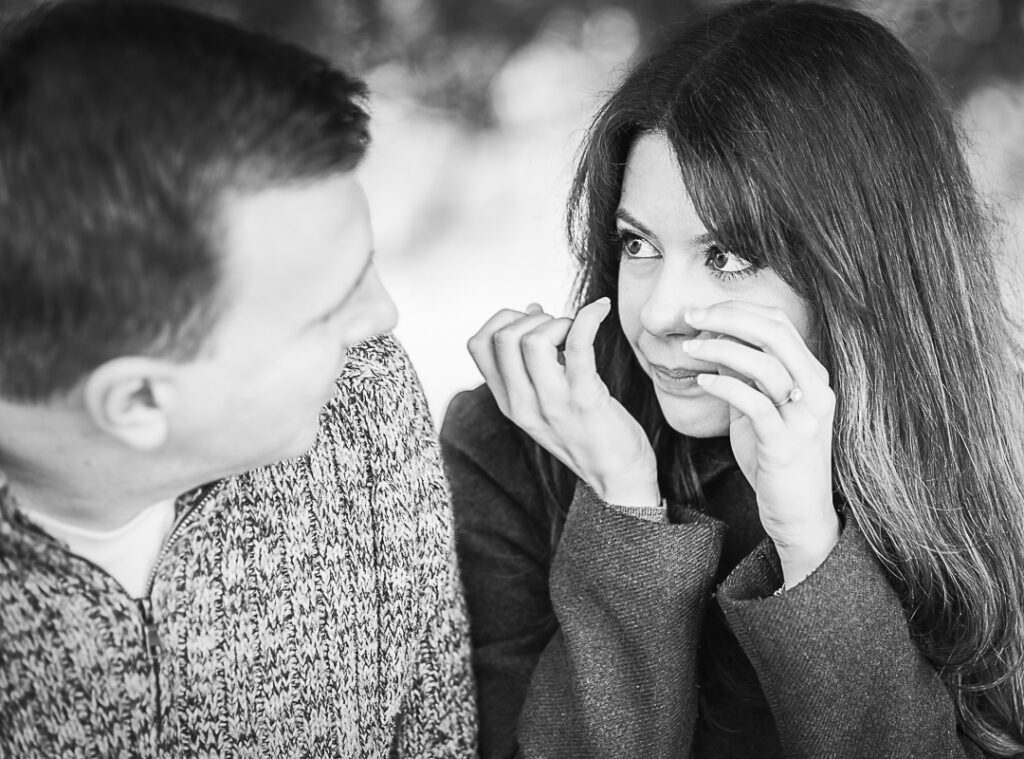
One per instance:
[(675, 290)]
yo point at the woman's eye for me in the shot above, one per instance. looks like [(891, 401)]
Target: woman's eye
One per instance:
[(727, 263), (635, 246)]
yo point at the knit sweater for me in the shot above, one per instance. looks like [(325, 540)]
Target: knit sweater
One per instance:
[(636, 638), (306, 609)]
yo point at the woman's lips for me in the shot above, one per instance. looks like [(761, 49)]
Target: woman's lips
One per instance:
[(679, 380), (679, 372)]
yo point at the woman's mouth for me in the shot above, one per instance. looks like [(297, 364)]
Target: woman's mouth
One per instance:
[(677, 380)]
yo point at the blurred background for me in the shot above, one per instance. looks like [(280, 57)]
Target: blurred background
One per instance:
[(480, 105)]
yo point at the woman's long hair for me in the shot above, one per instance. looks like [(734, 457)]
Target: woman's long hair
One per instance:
[(811, 142)]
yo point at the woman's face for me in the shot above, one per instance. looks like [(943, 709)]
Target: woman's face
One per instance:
[(670, 265)]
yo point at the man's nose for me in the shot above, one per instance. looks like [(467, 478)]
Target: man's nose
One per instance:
[(385, 311)]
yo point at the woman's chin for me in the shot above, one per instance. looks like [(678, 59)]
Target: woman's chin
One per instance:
[(700, 418)]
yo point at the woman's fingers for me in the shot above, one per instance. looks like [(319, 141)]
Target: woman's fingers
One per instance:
[(518, 355), (495, 351), (580, 367), (754, 405), (771, 312), (481, 349), (508, 356), (764, 369), (540, 348), (766, 328)]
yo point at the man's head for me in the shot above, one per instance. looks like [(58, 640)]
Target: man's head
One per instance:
[(178, 218)]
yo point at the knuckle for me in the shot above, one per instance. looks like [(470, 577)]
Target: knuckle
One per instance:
[(576, 343), (554, 413), (580, 402), (505, 338), (585, 390), (778, 330), (770, 363), (534, 343)]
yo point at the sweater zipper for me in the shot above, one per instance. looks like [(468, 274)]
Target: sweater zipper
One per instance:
[(151, 635), (151, 640), (178, 526)]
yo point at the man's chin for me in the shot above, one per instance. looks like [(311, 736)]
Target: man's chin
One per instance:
[(303, 442), (299, 445)]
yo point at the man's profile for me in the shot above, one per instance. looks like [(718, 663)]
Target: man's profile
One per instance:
[(209, 543)]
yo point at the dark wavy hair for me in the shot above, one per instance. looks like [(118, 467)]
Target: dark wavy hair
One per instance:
[(811, 141), (123, 125)]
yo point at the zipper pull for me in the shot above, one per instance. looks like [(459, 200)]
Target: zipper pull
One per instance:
[(151, 638), (150, 632)]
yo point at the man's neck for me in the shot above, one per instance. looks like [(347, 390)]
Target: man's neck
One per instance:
[(92, 508), (61, 469)]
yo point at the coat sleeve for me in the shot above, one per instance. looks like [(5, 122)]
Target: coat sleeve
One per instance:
[(619, 677), (836, 660), (603, 664), (437, 718)]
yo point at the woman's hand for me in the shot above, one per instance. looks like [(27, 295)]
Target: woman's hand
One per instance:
[(566, 409), (780, 428)]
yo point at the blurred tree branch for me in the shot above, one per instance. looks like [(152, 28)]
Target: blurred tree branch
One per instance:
[(451, 50)]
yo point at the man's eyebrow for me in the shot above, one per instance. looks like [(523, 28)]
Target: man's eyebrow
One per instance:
[(627, 217), (351, 291)]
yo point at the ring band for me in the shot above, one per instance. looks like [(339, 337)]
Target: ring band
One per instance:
[(794, 395)]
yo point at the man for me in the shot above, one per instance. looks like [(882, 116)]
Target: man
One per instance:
[(185, 270)]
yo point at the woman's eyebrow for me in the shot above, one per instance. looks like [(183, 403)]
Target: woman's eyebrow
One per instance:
[(702, 240), (626, 216)]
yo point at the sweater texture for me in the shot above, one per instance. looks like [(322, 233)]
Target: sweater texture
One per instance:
[(310, 608), (640, 639)]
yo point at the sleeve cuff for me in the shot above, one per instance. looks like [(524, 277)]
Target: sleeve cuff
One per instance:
[(838, 643), (657, 513), (603, 539)]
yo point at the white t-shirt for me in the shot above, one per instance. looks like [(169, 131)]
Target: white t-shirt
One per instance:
[(127, 553)]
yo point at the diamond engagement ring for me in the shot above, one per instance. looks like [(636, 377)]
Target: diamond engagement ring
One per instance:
[(794, 395)]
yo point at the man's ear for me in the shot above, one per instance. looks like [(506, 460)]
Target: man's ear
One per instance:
[(129, 398)]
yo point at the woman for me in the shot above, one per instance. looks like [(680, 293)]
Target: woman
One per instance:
[(779, 450)]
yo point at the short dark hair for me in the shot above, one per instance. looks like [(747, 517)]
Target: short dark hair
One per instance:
[(122, 126)]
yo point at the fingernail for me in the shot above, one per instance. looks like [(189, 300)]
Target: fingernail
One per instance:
[(705, 380), (534, 308), (692, 346), (605, 300), (695, 315)]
